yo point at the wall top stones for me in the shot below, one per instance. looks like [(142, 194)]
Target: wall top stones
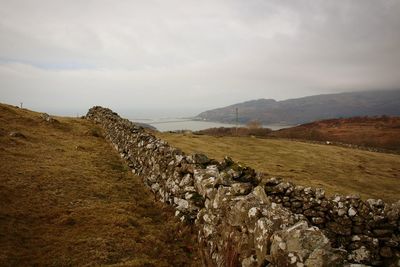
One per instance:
[(242, 221)]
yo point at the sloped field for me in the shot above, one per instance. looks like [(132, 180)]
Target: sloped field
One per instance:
[(66, 199)]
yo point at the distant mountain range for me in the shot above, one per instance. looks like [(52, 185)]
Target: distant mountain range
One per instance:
[(310, 108)]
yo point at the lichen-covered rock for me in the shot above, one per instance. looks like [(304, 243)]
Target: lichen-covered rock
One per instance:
[(360, 255), (241, 188), (274, 218), (201, 159), (326, 258), (250, 261), (301, 245)]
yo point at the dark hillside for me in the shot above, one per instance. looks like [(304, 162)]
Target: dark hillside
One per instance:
[(376, 132), (311, 108)]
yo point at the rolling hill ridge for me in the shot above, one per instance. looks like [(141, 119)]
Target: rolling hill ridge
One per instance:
[(310, 108)]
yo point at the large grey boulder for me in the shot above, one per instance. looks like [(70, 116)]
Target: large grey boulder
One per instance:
[(301, 245)]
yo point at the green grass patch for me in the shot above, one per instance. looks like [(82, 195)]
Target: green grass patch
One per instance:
[(337, 169)]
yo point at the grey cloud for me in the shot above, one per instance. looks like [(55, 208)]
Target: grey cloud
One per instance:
[(193, 55)]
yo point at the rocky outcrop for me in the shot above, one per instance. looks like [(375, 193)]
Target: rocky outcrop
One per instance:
[(46, 117), (242, 222)]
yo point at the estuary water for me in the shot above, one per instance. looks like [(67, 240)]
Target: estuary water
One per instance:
[(175, 124)]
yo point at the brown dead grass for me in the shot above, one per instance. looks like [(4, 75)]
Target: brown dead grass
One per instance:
[(66, 199), (378, 132), (337, 169)]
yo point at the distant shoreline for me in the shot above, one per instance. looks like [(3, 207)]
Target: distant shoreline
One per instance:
[(176, 124)]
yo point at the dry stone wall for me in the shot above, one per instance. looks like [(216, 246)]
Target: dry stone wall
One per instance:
[(243, 221)]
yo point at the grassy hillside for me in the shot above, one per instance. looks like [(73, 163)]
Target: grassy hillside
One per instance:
[(66, 199), (337, 169)]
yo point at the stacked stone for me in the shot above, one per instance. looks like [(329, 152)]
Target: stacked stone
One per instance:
[(243, 223), (368, 230), (166, 170)]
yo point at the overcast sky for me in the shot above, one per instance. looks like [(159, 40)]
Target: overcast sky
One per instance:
[(180, 57)]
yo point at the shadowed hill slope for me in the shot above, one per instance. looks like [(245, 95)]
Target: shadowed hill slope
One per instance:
[(66, 199)]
